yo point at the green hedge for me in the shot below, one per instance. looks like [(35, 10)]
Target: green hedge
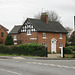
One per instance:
[(72, 43), (24, 49), (69, 50), (72, 48)]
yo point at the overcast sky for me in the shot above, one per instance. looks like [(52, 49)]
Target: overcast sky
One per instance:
[(14, 12)]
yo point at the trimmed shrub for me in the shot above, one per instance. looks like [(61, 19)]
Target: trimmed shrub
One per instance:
[(67, 50), (4, 49), (24, 49), (72, 48), (32, 49), (14, 49), (73, 44), (67, 44)]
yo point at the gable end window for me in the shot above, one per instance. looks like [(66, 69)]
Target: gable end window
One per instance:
[(28, 32), (44, 35), (60, 36), (2, 34)]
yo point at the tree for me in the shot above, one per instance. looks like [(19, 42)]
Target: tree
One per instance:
[(68, 29), (9, 40), (73, 37), (52, 16), (69, 33)]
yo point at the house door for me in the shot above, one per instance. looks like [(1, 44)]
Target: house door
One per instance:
[(53, 45)]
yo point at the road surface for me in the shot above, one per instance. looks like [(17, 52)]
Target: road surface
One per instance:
[(19, 66)]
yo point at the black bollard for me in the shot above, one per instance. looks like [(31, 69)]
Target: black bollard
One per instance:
[(46, 52)]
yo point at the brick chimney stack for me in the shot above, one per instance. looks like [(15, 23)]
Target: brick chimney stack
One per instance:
[(44, 17)]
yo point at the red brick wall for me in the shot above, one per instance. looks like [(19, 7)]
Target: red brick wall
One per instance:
[(49, 36), (5, 35), (39, 35), (24, 38)]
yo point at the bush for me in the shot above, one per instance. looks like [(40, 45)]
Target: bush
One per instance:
[(67, 44), (4, 49), (67, 50), (72, 43), (24, 49), (9, 40), (32, 49), (72, 48), (14, 49)]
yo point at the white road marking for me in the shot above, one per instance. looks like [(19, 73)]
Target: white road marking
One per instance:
[(62, 66), (29, 62), (45, 64), (52, 65), (40, 63), (73, 67), (10, 71), (34, 62), (18, 58)]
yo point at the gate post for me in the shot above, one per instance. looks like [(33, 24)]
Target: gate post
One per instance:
[(62, 52)]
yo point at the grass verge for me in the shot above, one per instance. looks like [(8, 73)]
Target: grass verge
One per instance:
[(17, 55), (69, 56)]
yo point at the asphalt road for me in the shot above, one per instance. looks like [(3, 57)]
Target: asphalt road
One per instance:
[(19, 66)]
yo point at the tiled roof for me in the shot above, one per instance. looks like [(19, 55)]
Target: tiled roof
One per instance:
[(15, 29), (4, 28), (41, 26), (50, 27)]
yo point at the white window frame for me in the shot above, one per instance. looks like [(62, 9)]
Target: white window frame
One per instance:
[(60, 45), (44, 35), (28, 32), (15, 37), (60, 36), (44, 43)]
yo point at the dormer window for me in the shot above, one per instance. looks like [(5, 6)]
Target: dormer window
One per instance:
[(28, 32), (60, 36)]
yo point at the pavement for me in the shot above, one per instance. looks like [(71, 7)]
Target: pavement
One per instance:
[(38, 58)]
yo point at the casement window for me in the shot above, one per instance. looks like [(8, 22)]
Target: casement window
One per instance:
[(44, 35), (44, 43), (60, 36), (15, 37), (2, 34), (28, 32), (60, 45)]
